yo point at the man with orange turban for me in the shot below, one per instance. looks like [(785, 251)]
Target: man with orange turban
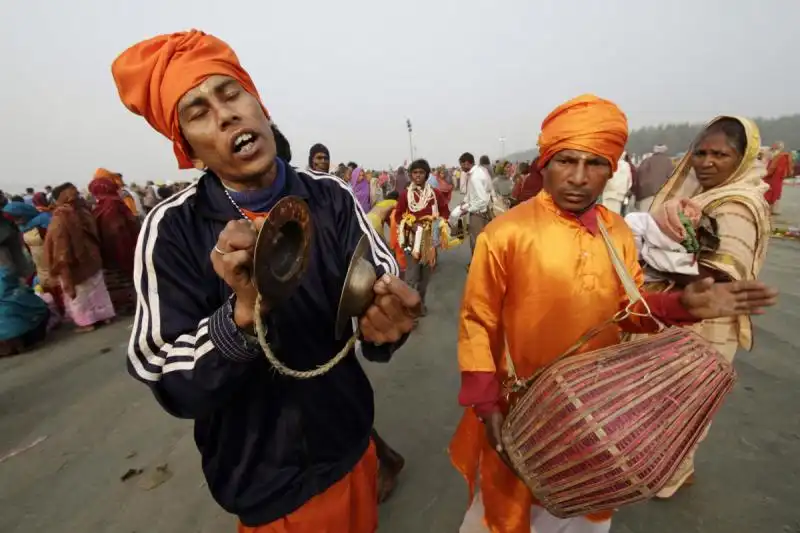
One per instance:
[(540, 278), (284, 439)]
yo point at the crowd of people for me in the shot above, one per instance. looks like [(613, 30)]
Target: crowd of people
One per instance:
[(66, 256), (302, 419)]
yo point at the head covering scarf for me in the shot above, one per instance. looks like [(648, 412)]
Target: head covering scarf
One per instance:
[(360, 189), (124, 193), (318, 148), (105, 173), (71, 245), (153, 75), (587, 123), (41, 203), (442, 182), (746, 179), (115, 177), (29, 215), (116, 225)]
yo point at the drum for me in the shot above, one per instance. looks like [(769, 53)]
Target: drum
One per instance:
[(608, 428)]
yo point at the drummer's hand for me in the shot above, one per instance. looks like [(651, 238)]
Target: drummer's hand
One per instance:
[(706, 298), (232, 259), (494, 429), (392, 312)]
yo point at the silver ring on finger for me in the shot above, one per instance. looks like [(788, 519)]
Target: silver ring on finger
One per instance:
[(220, 252)]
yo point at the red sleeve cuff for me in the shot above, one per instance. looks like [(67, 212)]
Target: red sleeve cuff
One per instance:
[(480, 390), (667, 307), (516, 190)]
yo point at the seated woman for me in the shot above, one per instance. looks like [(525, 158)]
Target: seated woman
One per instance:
[(13, 254), (23, 315), (33, 225), (719, 173)]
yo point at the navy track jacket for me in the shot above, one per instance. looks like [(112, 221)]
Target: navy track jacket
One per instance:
[(269, 443)]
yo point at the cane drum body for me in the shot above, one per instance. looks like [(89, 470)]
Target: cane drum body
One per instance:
[(603, 429)]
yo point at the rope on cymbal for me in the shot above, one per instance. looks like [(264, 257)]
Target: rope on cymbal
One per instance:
[(285, 370)]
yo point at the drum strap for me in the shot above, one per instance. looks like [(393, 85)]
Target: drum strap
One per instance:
[(634, 297)]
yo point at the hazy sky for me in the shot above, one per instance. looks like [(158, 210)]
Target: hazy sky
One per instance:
[(348, 72)]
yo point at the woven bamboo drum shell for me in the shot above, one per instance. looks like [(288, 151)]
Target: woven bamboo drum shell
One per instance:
[(607, 428)]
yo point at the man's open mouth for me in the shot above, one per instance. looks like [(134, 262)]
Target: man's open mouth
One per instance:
[(244, 143)]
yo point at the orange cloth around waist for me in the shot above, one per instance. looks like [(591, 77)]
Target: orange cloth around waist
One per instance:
[(507, 500), (348, 506)]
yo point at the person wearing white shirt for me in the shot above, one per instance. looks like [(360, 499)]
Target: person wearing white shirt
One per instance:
[(618, 186), (478, 199)]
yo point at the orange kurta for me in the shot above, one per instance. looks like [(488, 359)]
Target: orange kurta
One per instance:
[(540, 280)]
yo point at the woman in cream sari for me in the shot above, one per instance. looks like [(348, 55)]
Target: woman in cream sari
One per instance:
[(722, 175)]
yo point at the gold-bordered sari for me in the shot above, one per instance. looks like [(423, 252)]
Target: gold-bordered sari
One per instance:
[(744, 228)]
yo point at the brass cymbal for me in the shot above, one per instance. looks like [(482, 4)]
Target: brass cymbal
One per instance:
[(282, 249), (357, 291)]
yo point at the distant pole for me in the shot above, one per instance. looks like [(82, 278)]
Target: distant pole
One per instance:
[(410, 140), (502, 147)]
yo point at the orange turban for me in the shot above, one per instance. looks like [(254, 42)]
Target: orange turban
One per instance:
[(585, 123), (153, 76)]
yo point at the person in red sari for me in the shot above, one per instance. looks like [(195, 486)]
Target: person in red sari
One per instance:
[(41, 203), (118, 229), (780, 167), (528, 185)]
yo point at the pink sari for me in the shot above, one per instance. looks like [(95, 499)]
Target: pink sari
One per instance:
[(92, 303)]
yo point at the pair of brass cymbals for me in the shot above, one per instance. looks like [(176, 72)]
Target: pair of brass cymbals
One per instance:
[(281, 258)]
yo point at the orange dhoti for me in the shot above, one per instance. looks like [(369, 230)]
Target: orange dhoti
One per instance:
[(348, 506), (503, 500)]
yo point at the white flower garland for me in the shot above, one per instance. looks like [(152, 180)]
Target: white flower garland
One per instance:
[(418, 203), (418, 199)]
